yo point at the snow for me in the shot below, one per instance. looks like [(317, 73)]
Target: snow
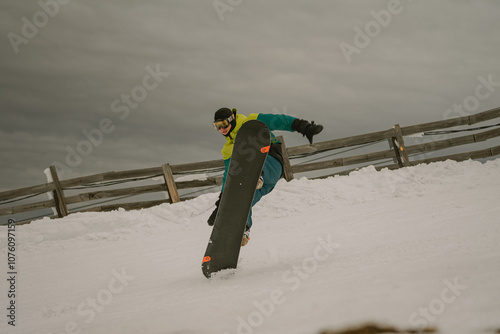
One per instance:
[(414, 247), (194, 177)]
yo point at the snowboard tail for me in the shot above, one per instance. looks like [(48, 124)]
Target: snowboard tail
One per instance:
[(250, 150)]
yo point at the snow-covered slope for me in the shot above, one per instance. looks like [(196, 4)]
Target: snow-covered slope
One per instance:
[(414, 247)]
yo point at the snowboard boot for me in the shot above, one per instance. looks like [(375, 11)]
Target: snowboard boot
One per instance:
[(246, 236)]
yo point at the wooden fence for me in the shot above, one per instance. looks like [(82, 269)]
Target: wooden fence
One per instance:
[(398, 153)]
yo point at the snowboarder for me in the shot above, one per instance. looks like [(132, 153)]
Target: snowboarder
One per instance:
[(228, 122)]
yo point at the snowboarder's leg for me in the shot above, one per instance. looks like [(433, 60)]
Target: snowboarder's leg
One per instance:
[(272, 171)]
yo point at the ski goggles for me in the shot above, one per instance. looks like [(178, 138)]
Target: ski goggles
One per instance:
[(222, 124)]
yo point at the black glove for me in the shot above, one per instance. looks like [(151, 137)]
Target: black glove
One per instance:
[(211, 219), (307, 129)]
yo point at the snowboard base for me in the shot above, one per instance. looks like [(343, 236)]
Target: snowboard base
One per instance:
[(250, 150)]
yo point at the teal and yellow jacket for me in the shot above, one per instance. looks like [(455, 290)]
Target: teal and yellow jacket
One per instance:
[(273, 122)]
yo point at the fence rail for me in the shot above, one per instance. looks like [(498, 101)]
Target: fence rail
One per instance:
[(398, 152)]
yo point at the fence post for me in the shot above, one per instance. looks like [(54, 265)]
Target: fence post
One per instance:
[(62, 209), (169, 181), (287, 168), (393, 143), (399, 145)]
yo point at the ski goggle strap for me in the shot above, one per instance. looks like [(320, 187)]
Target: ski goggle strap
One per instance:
[(222, 124)]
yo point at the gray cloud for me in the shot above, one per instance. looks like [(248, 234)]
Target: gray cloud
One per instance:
[(263, 56)]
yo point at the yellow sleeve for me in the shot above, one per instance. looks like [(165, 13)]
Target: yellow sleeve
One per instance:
[(252, 116)]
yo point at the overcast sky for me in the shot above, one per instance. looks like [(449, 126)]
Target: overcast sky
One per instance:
[(143, 78)]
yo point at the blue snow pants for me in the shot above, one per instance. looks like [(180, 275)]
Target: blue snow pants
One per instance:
[(272, 171)]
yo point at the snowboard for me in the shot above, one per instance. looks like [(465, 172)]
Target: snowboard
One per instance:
[(250, 149)]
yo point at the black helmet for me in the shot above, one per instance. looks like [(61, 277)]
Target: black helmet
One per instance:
[(223, 117), (222, 113)]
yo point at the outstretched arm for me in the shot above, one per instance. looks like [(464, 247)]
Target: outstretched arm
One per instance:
[(277, 121), (289, 123)]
